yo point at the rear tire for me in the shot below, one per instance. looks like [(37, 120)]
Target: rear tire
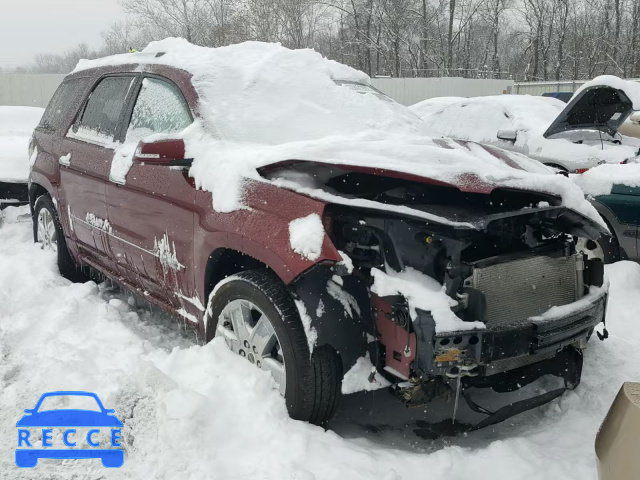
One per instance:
[(313, 384), (53, 238)]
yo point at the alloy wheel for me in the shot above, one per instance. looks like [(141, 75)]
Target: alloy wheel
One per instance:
[(249, 333), (47, 235)]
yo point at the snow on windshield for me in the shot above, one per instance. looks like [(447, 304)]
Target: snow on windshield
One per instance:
[(262, 103), (267, 94), (480, 118)]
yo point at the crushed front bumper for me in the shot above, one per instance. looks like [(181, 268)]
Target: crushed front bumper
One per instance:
[(505, 348)]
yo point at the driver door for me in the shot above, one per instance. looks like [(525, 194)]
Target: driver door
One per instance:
[(151, 207)]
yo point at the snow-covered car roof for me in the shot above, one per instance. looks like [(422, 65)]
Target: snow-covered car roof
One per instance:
[(481, 118), (262, 104), (16, 127), (427, 107)]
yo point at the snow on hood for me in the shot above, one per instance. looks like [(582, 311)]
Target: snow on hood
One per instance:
[(600, 180), (629, 87), (16, 126), (262, 103)]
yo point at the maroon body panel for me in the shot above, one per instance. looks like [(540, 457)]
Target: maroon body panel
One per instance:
[(153, 210), (394, 338), (82, 196)]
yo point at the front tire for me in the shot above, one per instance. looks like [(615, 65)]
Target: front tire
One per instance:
[(48, 233), (259, 320)]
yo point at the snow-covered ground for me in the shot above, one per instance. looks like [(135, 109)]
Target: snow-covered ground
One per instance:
[(192, 411), (16, 125)]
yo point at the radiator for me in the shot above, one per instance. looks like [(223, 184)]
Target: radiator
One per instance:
[(518, 289)]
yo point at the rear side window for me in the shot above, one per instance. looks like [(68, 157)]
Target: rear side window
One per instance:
[(99, 120), (64, 103), (160, 108)]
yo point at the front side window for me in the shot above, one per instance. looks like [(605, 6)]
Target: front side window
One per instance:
[(160, 108), (99, 120)]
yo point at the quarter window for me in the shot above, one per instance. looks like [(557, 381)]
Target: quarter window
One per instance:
[(99, 121), (160, 108), (67, 98)]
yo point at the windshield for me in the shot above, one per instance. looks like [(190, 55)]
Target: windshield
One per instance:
[(69, 402)]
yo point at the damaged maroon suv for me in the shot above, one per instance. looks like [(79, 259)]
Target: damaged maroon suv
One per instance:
[(313, 226)]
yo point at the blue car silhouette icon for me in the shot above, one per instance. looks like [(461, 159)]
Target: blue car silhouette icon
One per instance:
[(69, 418)]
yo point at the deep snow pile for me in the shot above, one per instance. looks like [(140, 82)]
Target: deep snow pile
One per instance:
[(261, 103), (601, 179), (198, 412), (16, 126), (480, 118)]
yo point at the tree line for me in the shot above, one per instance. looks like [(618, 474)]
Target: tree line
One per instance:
[(526, 40)]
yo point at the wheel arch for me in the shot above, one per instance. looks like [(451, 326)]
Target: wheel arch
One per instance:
[(339, 309), (224, 262), (557, 165), (610, 219)]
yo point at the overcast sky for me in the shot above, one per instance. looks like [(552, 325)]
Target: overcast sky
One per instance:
[(28, 27)]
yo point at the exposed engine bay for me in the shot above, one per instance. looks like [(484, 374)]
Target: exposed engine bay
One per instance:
[(506, 259)]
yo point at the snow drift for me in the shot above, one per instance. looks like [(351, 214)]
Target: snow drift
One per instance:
[(197, 412), (16, 126)]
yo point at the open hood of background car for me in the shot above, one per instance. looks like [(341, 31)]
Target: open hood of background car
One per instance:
[(599, 107)]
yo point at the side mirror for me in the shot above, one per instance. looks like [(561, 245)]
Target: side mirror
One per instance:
[(29, 410), (508, 135), (163, 152)]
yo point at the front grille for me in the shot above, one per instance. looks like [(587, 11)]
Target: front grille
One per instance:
[(519, 289)]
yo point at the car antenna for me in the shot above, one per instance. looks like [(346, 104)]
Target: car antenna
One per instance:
[(601, 142)]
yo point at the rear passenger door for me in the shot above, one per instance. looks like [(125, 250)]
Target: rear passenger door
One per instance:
[(152, 210), (85, 161)]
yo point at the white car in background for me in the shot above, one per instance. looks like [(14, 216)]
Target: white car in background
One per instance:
[(571, 137), (16, 127)]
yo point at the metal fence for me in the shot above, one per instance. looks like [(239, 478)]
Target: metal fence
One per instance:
[(30, 89), (538, 88), (408, 91)]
